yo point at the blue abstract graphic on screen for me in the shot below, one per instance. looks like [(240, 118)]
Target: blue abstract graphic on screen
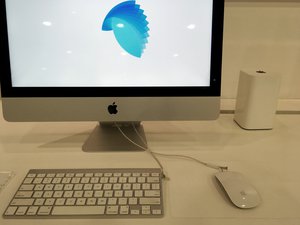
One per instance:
[(130, 27)]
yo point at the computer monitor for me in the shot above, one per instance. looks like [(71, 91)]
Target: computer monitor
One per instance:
[(111, 61)]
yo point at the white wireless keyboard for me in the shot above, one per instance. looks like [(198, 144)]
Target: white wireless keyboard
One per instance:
[(103, 193)]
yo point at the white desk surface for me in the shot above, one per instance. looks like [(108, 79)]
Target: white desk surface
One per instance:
[(269, 160)]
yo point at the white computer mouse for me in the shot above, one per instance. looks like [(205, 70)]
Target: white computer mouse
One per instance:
[(241, 193)]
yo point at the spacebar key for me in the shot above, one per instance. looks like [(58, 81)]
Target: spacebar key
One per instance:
[(78, 210)]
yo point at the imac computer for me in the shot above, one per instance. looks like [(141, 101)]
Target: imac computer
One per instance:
[(113, 61)]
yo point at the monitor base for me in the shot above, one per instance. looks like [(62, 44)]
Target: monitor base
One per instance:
[(106, 137)]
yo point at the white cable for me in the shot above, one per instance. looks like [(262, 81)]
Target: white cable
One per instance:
[(148, 149), (142, 147), (131, 141), (210, 165), (153, 154)]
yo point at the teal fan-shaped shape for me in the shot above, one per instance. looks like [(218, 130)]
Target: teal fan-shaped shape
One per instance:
[(130, 27)]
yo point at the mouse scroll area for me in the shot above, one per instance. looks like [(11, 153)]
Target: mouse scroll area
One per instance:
[(241, 193)]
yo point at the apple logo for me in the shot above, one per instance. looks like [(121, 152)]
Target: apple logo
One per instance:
[(112, 109)]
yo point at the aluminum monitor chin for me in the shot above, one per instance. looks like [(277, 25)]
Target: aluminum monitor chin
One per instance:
[(111, 60)]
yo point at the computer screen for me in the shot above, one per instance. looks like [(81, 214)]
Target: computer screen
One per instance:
[(100, 60), (63, 43)]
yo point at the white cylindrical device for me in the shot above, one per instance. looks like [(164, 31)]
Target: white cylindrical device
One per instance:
[(257, 98)]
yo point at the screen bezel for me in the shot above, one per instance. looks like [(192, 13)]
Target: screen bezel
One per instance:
[(213, 90)]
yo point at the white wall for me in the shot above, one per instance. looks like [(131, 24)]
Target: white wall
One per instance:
[(262, 35)]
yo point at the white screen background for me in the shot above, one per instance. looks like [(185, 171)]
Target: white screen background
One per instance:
[(60, 43)]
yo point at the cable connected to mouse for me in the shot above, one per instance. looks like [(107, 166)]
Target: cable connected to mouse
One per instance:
[(154, 154)]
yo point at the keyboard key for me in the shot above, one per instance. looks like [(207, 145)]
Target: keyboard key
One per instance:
[(60, 201), (78, 187), (119, 194), (102, 201), (108, 194), (98, 194), (135, 212), (133, 201), (79, 174), (21, 211), (39, 201), (75, 180), (155, 174), (38, 194), (66, 180), (146, 210), (41, 175), (56, 180), (60, 175), (39, 187), (68, 194), (48, 194), (23, 201), (88, 194), (122, 201), (141, 180), (47, 180), (112, 210), (71, 201), (104, 180), (112, 201), (124, 209), (91, 201), (107, 186), (78, 194), (37, 181), (136, 186), (156, 212), (94, 180), (152, 193), (26, 187), (85, 180), (28, 181), (32, 210), (126, 174), (128, 193), (58, 187), (11, 210), (23, 194), (49, 187), (44, 210), (78, 210), (122, 180), (49, 201), (80, 201), (97, 187), (70, 175), (149, 201), (31, 175), (107, 174), (146, 186), (156, 186), (58, 194), (153, 179), (87, 187), (132, 180), (138, 193)]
